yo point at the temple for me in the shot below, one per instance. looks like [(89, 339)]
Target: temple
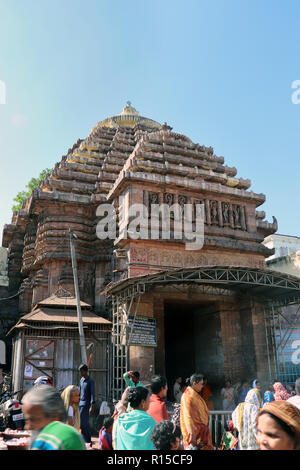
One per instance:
[(207, 307)]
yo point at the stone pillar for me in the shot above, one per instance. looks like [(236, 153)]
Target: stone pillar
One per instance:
[(160, 352), (142, 360), (232, 340), (220, 213), (249, 358), (3, 268), (260, 343)]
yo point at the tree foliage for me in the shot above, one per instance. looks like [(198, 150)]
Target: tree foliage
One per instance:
[(33, 184)]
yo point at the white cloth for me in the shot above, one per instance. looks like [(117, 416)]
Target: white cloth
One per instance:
[(295, 401), (177, 392), (227, 394), (104, 408), (70, 412), (247, 431)]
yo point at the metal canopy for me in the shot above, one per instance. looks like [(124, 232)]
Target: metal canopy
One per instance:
[(273, 286)]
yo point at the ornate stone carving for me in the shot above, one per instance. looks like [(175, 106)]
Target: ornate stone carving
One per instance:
[(169, 199), (226, 213), (214, 213), (236, 212), (86, 281), (182, 200), (153, 198), (173, 258), (139, 255)]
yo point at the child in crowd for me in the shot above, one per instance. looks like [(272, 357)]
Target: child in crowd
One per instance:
[(166, 436), (105, 434)]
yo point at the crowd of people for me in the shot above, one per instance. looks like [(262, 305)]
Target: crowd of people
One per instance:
[(141, 421)]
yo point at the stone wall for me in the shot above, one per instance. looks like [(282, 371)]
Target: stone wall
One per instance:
[(3, 268)]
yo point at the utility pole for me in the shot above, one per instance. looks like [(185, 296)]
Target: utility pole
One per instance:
[(80, 326)]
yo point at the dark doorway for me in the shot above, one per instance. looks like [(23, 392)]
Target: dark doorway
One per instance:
[(193, 342), (179, 341)]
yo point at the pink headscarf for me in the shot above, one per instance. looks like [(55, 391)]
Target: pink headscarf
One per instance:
[(280, 392)]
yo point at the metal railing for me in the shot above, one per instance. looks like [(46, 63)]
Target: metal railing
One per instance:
[(217, 422)]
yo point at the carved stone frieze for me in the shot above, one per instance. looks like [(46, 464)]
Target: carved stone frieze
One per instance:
[(216, 212), (171, 258)]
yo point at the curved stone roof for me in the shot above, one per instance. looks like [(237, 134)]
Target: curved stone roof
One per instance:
[(123, 148)]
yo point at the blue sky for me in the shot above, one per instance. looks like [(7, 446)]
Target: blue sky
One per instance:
[(218, 71)]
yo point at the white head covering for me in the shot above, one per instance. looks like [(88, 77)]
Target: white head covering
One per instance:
[(247, 431), (254, 383), (252, 398)]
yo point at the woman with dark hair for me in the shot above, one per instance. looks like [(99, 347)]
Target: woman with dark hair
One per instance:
[(132, 431), (194, 417), (166, 436), (278, 426), (105, 434)]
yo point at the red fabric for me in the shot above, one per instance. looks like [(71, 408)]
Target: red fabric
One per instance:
[(158, 409), (105, 444)]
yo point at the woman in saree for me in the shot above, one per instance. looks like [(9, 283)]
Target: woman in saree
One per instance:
[(194, 416), (257, 389), (133, 430), (280, 392), (227, 394), (244, 420), (70, 397), (278, 426)]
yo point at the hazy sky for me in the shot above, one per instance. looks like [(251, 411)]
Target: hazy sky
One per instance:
[(218, 71)]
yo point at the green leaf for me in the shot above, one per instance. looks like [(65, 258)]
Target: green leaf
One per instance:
[(33, 184)]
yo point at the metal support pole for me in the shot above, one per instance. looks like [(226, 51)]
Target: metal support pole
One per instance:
[(79, 316)]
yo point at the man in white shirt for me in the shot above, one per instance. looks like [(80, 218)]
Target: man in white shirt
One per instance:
[(295, 400), (177, 389)]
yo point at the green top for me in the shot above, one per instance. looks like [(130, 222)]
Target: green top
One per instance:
[(58, 436), (130, 383), (132, 431)]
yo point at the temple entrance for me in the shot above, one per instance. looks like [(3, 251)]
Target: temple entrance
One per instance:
[(193, 342), (179, 341)]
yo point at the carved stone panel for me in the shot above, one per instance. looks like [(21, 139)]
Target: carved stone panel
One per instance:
[(237, 216), (182, 200), (214, 212), (169, 199), (226, 214)]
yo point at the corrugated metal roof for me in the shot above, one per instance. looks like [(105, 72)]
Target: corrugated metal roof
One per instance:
[(56, 301), (257, 281)]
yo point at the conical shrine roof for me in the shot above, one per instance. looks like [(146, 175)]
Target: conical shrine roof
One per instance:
[(129, 117)]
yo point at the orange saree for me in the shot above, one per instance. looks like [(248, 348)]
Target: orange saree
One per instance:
[(194, 416)]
